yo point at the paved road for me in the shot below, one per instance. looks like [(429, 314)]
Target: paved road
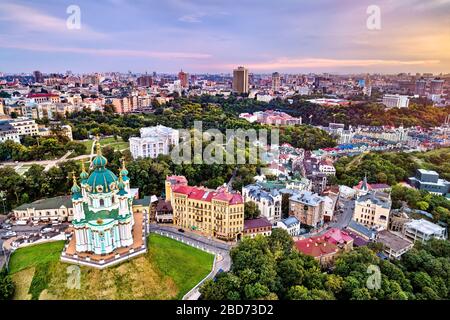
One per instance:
[(344, 218)]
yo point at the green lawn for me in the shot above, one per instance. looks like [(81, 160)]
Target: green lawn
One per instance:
[(184, 264), (118, 144), (167, 271), (35, 255)]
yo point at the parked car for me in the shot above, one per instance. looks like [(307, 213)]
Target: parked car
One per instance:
[(46, 230), (181, 230), (8, 235)]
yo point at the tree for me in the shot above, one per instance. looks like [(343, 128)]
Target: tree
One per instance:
[(6, 285), (251, 210)]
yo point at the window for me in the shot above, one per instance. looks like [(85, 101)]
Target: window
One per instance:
[(102, 202)]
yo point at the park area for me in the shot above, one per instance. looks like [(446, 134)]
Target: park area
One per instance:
[(167, 271), (116, 143)]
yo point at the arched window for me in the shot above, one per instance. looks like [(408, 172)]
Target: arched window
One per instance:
[(102, 202)]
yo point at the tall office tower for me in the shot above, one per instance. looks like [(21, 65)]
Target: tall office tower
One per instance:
[(367, 90), (421, 86), (145, 81), (38, 77), (437, 86), (240, 80), (276, 81), (184, 79)]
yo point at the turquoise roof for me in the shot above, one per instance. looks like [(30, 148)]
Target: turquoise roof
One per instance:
[(99, 161), (101, 180)]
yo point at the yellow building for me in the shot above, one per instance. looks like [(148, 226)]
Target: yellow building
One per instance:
[(372, 210), (217, 213)]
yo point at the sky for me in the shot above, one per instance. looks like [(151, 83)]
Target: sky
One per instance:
[(215, 36)]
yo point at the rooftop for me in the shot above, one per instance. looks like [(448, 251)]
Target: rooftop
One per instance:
[(290, 221), (315, 246), (261, 222), (308, 198), (49, 203), (393, 241), (424, 226)]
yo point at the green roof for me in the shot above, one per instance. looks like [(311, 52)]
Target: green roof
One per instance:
[(142, 202), (49, 203), (103, 178)]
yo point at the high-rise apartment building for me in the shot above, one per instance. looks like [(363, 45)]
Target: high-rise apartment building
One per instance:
[(184, 79), (437, 86), (145, 81), (38, 77), (421, 87), (240, 80), (276, 81)]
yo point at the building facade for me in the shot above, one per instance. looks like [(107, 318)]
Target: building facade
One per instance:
[(103, 216), (153, 142), (217, 213), (268, 203), (308, 208), (372, 210), (240, 80)]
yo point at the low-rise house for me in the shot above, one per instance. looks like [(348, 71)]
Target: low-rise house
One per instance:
[(368, 234), (257, 226), (339, 238), (51, 209), (393, 245), (423, 230), (291, 225), (164, 212), (319, 248)]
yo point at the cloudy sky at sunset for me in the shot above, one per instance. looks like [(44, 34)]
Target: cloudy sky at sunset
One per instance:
[(215, 36)]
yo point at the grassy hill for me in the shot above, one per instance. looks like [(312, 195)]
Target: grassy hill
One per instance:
[(167, 271)]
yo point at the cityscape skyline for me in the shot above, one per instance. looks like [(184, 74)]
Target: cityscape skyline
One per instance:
[(216, 37)]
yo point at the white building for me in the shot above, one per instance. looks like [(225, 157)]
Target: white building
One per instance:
[(395, 101), (8, 132), (423, 230), (25, 127), (153, 142), (269, 203), (291, 225)]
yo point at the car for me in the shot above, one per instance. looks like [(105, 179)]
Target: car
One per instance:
[(181, 230), (46, 230), (8, 235)]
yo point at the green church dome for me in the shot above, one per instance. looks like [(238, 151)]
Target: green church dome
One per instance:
[(101, 179)]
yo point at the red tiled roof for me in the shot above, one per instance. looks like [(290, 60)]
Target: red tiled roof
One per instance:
[(41, 95), (199, 193), (337, 236), (315, 246)]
